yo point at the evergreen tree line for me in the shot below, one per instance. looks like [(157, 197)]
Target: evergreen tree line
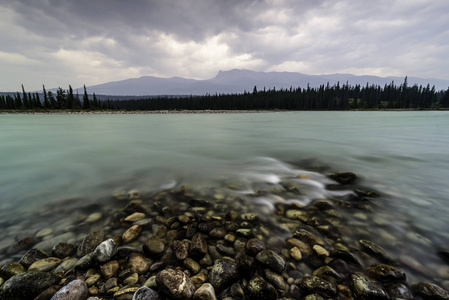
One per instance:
[(47, 100), (325, 97)]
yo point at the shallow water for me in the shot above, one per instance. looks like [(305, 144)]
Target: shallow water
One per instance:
[(403, 155)]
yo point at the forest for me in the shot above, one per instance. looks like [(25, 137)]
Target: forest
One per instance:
[(325, 97)]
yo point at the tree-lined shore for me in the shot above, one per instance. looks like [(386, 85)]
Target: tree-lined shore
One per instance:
[(325, 97)]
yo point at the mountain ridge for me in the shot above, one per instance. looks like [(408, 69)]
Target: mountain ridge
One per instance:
[(240, 80)]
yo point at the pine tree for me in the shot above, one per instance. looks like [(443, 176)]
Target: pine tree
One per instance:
[(86, 101), (46, 101)]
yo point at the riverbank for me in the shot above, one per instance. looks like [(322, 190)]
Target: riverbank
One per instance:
[(185, 242)]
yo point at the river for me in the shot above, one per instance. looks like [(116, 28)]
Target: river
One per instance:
[(46, 158)]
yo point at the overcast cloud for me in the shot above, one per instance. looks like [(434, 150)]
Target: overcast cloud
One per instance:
[(62, 42)]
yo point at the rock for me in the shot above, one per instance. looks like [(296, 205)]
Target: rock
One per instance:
[(277, 281), (384, 272), (259, 289), (48, 293), (45, 264), (346, 256), (90, 242), (313, 297), (180, 249), (125, 293), (397, 290), (62, 250), (223, 274), (110, 284), (366, 288), (326, 273), (254, 246), (175, 284), (92, 218), (138, 263), (246, 265), (294, 214), (191, 265), (131, 280), (198, 247), (226, 251), (93, 279), (250, 217), (308, 237), (131, 234), (339, 265), (302, 246), (295, 253), (218, 233), (11, 269), (133, 194), (205, 292), (374, 250), (27, 285), (153, 247), (66, 265), (237, 291), (32, 256), (105, 251), (85, 262), (343, 177), (316, 285), (320, 251), (137, 216), (430, 291), (145, 293), (272, 260), (21, 245), (246, 233)]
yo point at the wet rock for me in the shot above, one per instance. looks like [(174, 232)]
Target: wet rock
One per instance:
[(246, 233), (429, 291), (276, 280), (320, 251), (85, 262), (180, 249), (250, 217), (340, 266), (259, 289), (105, 251), (227, 251), (237, 291), (223, 273), (11, 269), (125, 293), (326, 273), (316, 285), (374, 250), (191, 265), (45, 264), (145, 293), (109, 269), (110, 284), (131, 234), (32, 256), (384, 272), (153, 247), (308, 237), (75, 290), (175, 284), (218, 233), (366, 288), (93, 279), (90, 242), (66, 265), (344, 292), (62, 250), (397, 290), (254, 246), (48, 293), (21, 245), (313, 297), (137, 216), (295, 253), (272, 260), (138, 263), (198, 247), (131, 280), (343, 177), (305, 249), (205, 292), (346, 256), (27, 285)]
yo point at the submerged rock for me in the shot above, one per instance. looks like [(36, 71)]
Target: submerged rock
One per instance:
[(430, 291), (343, 177), (384, 272)]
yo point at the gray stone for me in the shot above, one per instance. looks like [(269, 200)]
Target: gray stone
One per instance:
[(90, 242), (272, 260), (366, 288), (205, 292), (66, 265), (430, 291), (86, 261), (175, 284), (27, 285), (105, 251), (223, 274), (75, 290), (145, 293)]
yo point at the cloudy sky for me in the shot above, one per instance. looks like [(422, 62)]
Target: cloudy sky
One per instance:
[(62, 42)]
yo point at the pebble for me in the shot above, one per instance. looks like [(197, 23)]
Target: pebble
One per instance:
[(131, 234), (32, 256), (45, 264), (384, 272), (175, 284), (105, 251), (11, 270), (295, 253), (138, 263), (145, 293), (313, 284), (153, 247), (254, 246), (137, 216), (223, 273), (62, 250), (27, 285), (66, 265), (429, 290), (271, 259), (108, 269), (44, 232), (205, 292), (90, 242), (131, 280), (92, 218), (320, 251), (366, 288), (258, 288)]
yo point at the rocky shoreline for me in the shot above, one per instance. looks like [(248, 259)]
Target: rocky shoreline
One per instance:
[(183, 243)]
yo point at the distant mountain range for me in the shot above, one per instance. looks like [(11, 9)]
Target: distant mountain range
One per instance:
[(238, 81)]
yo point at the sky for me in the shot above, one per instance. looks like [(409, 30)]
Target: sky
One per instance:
[(68, 42)]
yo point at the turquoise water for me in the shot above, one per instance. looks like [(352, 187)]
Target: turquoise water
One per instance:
[(45, 158)]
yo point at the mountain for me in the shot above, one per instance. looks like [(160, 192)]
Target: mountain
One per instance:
[(238, 81)]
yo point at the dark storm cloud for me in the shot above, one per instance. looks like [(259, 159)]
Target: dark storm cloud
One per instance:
[(93, 41)]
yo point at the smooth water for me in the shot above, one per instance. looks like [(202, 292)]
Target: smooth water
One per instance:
[(405, 155)]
